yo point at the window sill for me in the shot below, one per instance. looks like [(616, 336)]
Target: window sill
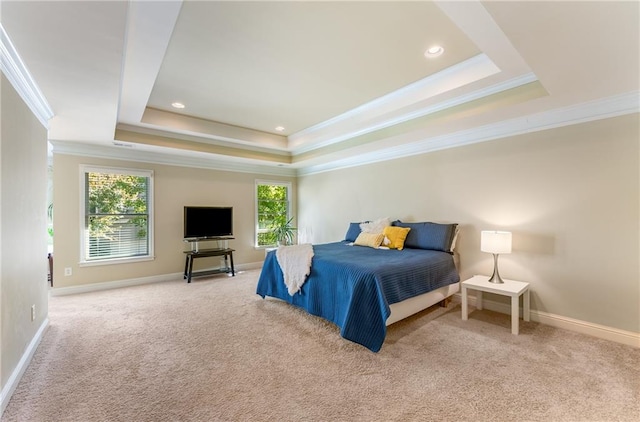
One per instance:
[(116, 261)]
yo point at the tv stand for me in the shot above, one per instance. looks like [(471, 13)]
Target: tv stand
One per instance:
[(196, 252), (195, 242)]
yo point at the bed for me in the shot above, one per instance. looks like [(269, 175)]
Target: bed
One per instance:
[(364, 289)]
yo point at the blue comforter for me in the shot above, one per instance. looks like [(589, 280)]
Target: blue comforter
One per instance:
[(353, 286)]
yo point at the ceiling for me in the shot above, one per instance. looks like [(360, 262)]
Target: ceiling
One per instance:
[(347, 82)]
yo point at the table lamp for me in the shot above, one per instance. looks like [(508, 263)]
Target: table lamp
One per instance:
[(495, 242)]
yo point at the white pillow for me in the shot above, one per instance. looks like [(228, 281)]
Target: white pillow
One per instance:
[(376, 226)]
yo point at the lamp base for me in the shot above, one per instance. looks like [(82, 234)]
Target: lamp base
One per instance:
[(495, 277)]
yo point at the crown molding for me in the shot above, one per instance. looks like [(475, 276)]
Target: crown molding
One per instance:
[(604, 108), (210, 131), (431, 109), (379, 113), (129, 152), (17, 73), (152, 137)]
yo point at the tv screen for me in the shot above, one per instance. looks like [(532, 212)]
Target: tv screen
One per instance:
[(202, 222)]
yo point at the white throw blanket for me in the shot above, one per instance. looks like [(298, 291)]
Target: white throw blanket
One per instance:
[(295, 262)]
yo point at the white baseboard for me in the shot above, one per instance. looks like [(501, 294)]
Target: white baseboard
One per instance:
[(107, 285), (596, 330), (251, 266), (14, 379)]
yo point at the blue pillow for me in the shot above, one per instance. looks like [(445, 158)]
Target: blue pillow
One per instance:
[(352, 232), (433, 236)]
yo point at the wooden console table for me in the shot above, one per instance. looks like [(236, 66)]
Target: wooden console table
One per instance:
[(202, 253)]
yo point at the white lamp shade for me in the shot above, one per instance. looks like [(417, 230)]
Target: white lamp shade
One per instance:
[(495, 241)]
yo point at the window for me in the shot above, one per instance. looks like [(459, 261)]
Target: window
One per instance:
[(272, 208), (117, 214)]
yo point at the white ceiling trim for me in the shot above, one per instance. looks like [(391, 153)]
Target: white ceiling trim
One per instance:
[(149, 28), (618, 105), (478, 24), (372, 115), (463, 99), (17, 73), (472, 96), (188, 136), (166, 156), (209, 130)]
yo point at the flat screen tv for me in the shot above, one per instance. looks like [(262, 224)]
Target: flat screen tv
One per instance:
[(207, 222)]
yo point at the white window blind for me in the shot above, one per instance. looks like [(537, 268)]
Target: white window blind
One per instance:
[(117, 214)]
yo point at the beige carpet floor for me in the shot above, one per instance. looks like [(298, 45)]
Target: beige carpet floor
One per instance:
[(215, 351)]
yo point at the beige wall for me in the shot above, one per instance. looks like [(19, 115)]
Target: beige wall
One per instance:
[(23, 234), (569, 195), (174, 187)]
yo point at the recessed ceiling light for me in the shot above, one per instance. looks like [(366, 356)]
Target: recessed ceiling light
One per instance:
[(434, 51), (280, 128), (177, 105)]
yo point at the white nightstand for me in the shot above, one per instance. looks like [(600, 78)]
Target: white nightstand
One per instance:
[(510, 288)]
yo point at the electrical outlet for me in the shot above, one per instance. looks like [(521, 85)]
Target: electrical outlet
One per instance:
[(33, 312), (67, 271)]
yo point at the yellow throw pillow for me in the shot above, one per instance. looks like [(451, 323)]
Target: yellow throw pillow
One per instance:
[(396, 235), (371, 240)]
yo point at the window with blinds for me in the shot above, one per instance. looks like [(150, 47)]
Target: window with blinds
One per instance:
[(117, 214)]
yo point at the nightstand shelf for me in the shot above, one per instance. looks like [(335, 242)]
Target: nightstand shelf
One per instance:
[(511, 288)]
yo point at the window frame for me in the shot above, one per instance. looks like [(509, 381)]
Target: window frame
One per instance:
[(257, 230), (87, 168)]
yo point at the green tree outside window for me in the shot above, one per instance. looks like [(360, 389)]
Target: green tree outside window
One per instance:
[(272, 210), (116, 215)]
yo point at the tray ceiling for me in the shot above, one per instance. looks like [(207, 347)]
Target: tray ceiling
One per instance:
[(347, 81)]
